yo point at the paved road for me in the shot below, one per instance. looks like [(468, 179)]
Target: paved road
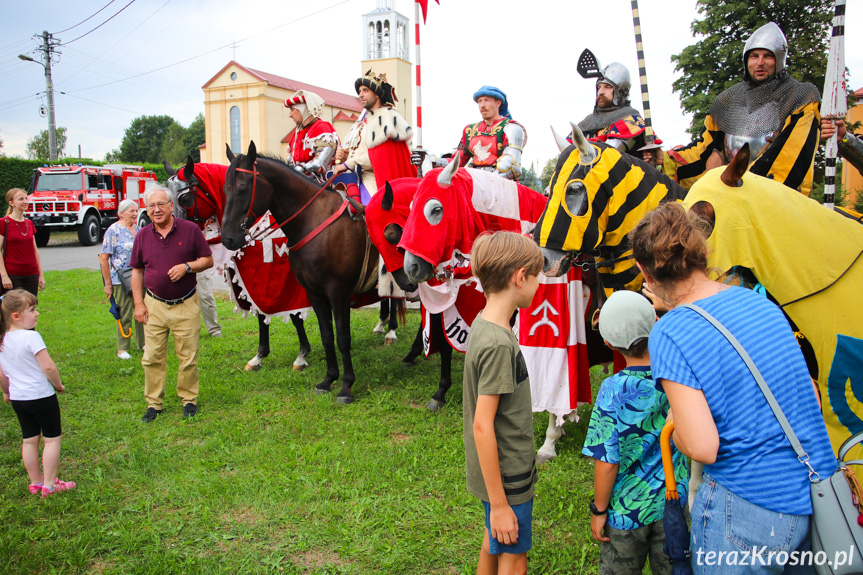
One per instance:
[(75, 256)]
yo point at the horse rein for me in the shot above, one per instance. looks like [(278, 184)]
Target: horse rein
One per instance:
[(261, 233)]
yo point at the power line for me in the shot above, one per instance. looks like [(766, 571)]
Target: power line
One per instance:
[(102, 24), (82, 21), (118, 41), (102, 104), (214, 49)]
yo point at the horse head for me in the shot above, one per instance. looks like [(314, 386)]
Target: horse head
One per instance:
[(247, 196), (435, 228), (597, 197), (386, 214), (198, 190)]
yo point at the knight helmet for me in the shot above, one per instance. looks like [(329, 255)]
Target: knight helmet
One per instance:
[(617, 76), (768, 37)]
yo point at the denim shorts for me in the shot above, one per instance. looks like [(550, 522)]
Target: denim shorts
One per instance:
[(524, 515), (731, 535)]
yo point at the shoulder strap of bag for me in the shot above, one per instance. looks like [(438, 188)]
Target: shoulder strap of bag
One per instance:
[(802, 456)]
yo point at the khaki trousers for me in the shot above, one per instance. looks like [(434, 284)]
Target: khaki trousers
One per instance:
[(208, 303), (183, 321), (127, 316)]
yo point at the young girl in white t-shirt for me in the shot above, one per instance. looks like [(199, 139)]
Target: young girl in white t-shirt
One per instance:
[(29, 378)]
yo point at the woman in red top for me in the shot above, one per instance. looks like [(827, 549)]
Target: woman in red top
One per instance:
[(20, 266)]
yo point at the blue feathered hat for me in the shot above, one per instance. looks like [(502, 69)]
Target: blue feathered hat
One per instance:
[(497, 94)]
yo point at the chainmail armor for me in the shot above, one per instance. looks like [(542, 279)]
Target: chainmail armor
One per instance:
[(604, 117), (755, 111)]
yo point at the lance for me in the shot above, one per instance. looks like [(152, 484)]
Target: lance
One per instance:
[(835, 102), (649, 136), (419, 126)]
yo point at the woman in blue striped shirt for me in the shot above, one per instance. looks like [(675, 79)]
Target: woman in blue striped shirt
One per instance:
[(751, 513)]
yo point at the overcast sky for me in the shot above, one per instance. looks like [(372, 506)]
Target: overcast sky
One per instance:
[(528, 49)]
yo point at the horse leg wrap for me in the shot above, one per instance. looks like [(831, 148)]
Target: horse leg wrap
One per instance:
[(353, 192)]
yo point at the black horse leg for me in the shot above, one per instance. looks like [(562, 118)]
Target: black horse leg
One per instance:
[(254, 364), (342, 311), (382, 317), (324, 311), (305, 348), (416, 348), (439, 398)]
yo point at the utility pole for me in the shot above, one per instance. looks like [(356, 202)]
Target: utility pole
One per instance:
[(47, 49)]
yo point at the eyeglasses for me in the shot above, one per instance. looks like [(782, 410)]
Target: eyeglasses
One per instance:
[(157, 205)]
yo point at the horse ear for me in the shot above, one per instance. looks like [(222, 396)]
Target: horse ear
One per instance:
[(444, 179), (387, 203), (169, 169), (253, 152), (733, 173), (562, 144), (189, 168), (586, 152), (229, 153)]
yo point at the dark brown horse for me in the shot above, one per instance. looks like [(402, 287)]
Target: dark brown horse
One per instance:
[(330, 252)]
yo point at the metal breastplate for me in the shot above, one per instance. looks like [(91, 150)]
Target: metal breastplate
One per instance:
[(757, 144)]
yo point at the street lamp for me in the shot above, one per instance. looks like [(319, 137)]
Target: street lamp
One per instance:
[(52, 130)]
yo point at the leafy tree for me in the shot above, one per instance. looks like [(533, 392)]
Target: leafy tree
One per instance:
[(39, 147), (113, 157), (547, 172), (529, 178), (195, 136), (173, 146), (144, 138), (715, 62), (1, 147)]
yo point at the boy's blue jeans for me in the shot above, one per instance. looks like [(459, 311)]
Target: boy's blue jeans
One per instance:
[(731, 535)]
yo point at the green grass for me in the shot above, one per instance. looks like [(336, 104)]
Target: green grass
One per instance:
[(268, 478)]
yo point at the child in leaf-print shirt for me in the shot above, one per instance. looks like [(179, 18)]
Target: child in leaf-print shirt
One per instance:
[(623, 436)]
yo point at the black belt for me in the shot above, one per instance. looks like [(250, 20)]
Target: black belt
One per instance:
[(171, 301)]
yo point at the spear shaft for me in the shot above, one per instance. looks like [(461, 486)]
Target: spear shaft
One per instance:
[(835, 102)]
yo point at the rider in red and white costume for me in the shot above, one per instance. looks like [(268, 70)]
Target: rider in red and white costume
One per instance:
[(314, 141), (495, 144)]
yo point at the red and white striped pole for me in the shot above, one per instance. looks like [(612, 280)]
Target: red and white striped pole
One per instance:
[(419, 122)]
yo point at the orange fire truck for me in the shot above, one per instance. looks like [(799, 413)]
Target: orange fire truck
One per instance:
[(83, 198)]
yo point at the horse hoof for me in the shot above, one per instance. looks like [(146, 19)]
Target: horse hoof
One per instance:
[(300, 367), (542, 458), (389, 341), (434, 405), (345, 399), (322, 389), (252, 367), (409, 360)]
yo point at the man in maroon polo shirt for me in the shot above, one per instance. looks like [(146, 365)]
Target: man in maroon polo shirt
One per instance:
[(165, 258)]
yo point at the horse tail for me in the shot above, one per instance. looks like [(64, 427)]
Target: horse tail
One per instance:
[(402, 309)]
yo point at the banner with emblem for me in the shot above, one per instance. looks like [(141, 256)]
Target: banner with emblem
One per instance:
[(261, 278)]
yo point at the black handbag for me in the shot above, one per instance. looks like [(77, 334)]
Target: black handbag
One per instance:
[(125, 277)]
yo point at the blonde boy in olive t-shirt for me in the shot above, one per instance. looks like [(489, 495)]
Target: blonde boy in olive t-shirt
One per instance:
[(498, 418)]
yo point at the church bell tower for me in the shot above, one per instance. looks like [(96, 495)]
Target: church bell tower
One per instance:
[(385, 50)]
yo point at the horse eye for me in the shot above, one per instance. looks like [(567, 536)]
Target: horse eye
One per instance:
[(433, 212), (393, 233), (576, 198)]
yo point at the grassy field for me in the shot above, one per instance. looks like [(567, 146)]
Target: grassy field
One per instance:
[(268, 478)]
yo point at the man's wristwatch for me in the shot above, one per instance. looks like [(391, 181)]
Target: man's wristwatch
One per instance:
[(596, 511), (188, 268)]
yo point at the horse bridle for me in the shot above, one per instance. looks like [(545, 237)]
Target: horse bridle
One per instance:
[(260, 235), (182, 193)]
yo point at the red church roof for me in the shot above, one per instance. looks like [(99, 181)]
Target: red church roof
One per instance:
[(341, 116), (331, 98)]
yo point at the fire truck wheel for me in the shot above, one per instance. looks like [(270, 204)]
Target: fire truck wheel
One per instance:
[(42, 237), (143, 220), (88, 231)]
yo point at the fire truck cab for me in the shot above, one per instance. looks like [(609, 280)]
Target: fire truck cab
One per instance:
[(83, 198)]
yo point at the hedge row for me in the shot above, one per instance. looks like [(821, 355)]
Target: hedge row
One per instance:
[(16, 173)]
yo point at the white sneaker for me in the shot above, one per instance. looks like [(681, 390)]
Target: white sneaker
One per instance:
[(124, 355)]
